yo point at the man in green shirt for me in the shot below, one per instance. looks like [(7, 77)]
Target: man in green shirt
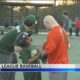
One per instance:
[(29, 55), (7, 44)]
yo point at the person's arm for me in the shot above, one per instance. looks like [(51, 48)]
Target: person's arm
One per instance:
[(48, 47), (33, 59), (44, 56), (21, 41), (50, 44), (17, 49)]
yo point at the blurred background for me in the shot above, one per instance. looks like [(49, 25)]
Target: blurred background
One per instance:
[(14, 12)]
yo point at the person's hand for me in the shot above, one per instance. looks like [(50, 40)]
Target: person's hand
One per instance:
[(17, 49), (43, 57)]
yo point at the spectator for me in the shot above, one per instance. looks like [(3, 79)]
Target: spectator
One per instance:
[(77, 25), (65, 20), (70, 26), (29, 55), (67, 23)]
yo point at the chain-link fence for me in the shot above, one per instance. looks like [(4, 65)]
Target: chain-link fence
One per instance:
[(16, 14)]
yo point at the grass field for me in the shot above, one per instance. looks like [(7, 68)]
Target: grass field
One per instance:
[(74, 56)]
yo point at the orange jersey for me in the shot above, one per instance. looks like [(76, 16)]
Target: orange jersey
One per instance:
[(56, 46)]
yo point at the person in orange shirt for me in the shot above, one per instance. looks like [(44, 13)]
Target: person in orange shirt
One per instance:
[(56, 46)]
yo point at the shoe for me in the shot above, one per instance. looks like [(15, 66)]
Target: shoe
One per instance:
[(69, 46)]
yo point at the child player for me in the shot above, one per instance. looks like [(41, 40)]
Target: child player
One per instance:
[(29, 54)]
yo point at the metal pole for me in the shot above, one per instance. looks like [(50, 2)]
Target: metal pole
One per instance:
[(36, 14), (11, 14)]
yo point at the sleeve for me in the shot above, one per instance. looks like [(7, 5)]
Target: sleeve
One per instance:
[(16, 43), (25, 55), (50, 44), (17, 40)]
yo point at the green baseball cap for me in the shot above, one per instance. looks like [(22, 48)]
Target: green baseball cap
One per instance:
[(30, 20)]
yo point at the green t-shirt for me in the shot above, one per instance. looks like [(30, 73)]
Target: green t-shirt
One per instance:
[(7, 41), (27, 53)]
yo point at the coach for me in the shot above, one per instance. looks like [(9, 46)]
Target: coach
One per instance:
[(7, 44)]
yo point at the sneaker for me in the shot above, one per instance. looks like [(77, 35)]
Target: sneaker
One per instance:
[(69, 46)]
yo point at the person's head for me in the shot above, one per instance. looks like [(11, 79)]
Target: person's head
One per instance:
[(64, 13), (23, 39), (29, 21), (50, 22)]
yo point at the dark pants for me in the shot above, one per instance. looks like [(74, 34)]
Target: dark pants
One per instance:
[(7, 59), (12, 74), (32, 75), (66, 28), (70, 31), (77, 32)]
